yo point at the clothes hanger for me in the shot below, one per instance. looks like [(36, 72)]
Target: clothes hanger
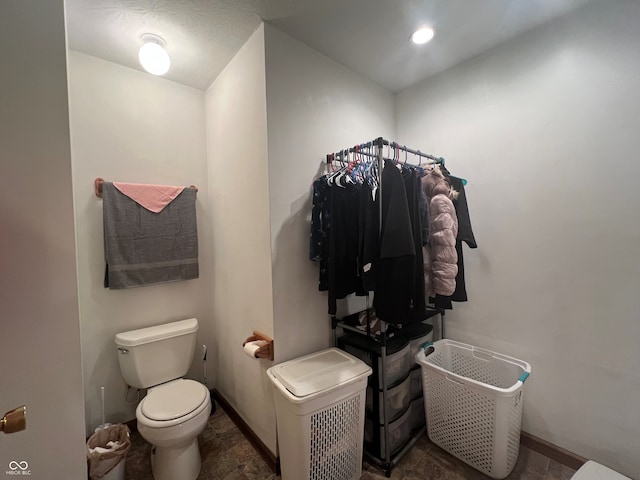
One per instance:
[(419, 167), (463, 180), (370, 172), (345, 177), (354, 165), (331, 178)]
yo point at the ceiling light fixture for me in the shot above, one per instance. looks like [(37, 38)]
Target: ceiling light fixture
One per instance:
[(152, 55), (423, 35)]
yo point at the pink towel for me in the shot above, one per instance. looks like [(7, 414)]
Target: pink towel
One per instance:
[(152, 197)]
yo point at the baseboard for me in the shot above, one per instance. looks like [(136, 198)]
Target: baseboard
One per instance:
[(265, 453), (554, 452)]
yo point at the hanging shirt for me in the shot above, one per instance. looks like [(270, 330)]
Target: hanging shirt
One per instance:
[(320, 228), (369, 236), (413, 189), (343, 273), (394, 294)]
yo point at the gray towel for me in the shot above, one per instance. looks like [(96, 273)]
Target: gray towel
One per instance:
[(142, 247)]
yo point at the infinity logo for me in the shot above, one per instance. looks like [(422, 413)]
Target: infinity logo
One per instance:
[(13, 465)]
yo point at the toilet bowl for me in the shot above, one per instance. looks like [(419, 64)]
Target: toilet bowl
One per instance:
[(170, 418), (175, 410)]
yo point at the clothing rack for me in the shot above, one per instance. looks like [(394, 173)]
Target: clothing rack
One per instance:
[(375, 149), (97, 187), (380, 142)]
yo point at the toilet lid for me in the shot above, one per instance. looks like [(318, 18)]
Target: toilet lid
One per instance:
[(173, 400)]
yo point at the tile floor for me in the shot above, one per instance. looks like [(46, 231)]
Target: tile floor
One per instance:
[(228, 455)]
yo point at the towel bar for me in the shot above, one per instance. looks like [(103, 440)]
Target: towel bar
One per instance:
[(97, 187)]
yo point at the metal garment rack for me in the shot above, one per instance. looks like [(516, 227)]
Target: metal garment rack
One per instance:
[(367, 149)]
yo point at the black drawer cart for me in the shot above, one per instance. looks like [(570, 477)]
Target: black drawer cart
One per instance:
[(395, 410)]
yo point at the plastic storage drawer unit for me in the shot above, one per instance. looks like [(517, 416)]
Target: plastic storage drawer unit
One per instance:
[(320, 407), (397, 361), (399, 434), (398, 399)]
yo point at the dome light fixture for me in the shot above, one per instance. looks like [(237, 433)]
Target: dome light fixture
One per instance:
[(423, 35), (152, 55)]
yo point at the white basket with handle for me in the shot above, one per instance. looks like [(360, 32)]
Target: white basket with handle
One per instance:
[(473, 403)]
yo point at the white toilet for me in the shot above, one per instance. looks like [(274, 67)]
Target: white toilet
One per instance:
[(175, 410)]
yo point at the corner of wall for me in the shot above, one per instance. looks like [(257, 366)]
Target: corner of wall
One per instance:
[(241, 294)]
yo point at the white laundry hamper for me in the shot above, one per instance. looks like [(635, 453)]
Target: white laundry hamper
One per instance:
[(473, 403), (320, 408)]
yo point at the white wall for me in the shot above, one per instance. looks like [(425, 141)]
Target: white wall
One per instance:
[(133, 127), (314, 106), (241, 283), (40, 347), (545, 128)]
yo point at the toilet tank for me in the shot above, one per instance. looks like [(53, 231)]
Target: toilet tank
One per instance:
[(154, 355)]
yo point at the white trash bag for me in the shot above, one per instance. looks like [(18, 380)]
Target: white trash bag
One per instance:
[(106, 449)]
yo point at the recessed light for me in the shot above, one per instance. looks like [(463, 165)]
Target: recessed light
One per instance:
[(422, 35), (152, 55)]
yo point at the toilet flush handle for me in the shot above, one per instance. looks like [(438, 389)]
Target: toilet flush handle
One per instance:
[(123, 350)]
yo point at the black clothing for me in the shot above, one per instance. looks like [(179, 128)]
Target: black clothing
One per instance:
[(369, 237), (343, 244), (357, 254), (465, 233), (413, 188), (320, 228), (396, 296)]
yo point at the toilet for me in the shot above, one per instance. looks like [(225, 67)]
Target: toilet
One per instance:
[(175, 410), (594, 471)]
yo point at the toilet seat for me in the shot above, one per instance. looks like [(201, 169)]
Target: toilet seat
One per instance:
[(172, 403)]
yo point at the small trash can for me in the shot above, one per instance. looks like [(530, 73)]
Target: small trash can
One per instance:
[(106, 452), (320, 402)]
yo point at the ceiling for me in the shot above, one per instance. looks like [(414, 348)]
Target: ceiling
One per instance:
[(370, 37)]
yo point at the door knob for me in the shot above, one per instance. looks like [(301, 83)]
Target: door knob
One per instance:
[(14, 420)]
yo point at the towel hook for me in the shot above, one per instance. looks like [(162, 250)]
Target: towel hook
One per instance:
[(97, 187)]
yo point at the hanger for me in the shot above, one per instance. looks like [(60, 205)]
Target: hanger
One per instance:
[(331, 177), (369, 168), (352, 168), (343, 176), (418, 167), (463, 180), (396, 155)]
